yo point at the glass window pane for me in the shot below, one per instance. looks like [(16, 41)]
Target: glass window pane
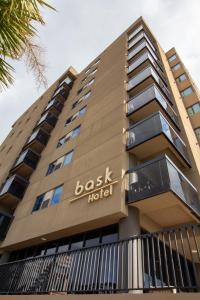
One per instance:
[(176, 67), (76, 131), (92, 238), (82, 111), (77, 242), (197, 131), (190, 111), (38, 203), (187, 92), (110, 234), (56, 196), (182, 78), (68, 158), (196, 108), (173, 57)]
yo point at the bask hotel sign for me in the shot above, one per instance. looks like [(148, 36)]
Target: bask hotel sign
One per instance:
[(97, 189)]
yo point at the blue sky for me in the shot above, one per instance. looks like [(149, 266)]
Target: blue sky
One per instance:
[(81, 29)]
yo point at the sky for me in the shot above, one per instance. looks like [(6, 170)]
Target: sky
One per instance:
[(81, 29)]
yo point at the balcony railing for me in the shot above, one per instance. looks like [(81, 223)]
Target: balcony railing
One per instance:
[(143, 75), (14, 187), (161, 176), (140, 47), (165, 260), (153, 126), (138, 38), (62, 90), (5, 221), (49, 118), (145, 97), (136, 31), (143, 58), (38, 140), (54, 104), (26, 163)]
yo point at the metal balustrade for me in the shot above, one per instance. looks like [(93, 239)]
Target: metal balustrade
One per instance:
[(167, 259)]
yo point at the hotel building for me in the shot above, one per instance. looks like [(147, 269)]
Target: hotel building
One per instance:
[(100, 179)]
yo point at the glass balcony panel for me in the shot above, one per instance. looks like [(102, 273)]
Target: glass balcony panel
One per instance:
[(153, 126), (147, 96), (28, 157), (141, 46), (144, 130), (138, 38), (33, 136), (14, 185), (144, 74), (142, 59), (183, 188), (159, 176), (174, 137), (132, 34)]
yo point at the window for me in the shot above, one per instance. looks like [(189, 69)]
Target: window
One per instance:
[(197, 131), (80, 113), (71, 135), (173, 57), (60, 162), (84, 97), (176, 67), (192, 110), (181, 78), (187, 92), (48, 199), (88, 84)]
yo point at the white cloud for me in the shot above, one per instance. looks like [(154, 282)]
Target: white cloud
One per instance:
[(80, 30)]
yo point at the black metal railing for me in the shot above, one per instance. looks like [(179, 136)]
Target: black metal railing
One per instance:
[(151, 127), (167, 259), (158, 176), (149, 94)]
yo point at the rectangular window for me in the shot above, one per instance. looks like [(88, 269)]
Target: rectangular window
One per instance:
[(71, 135), (173, 57), (89, 83), (80, 113), (84, 97), (49, 198), (133, 33), (181, 78), (187, 92), (197, 131), (194, 109), (60, 162), (176, 67)]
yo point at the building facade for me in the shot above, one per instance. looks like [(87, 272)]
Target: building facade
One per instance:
[(189, 92), (100, 180)]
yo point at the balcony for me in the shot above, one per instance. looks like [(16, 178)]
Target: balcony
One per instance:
[(54, 106), (62, 91), (165, 261), (37, 141), (155, 135), (148, 102), (145, 58), (5, 221), (162, 193), (142, 46), (47, 121), (26, 163), (144, 78), (138, 38), (12, 191)]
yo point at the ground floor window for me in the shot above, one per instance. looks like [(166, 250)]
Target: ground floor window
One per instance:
[(91, 238)]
